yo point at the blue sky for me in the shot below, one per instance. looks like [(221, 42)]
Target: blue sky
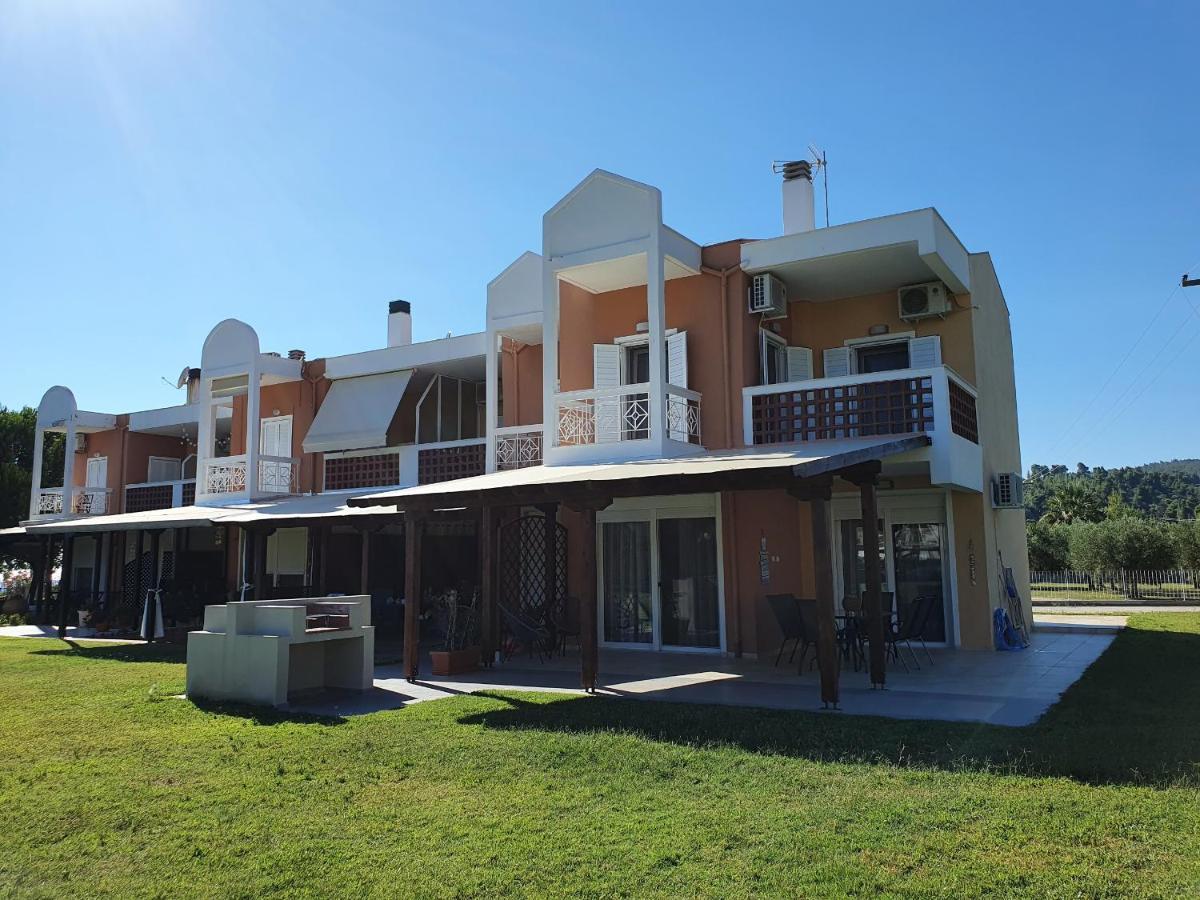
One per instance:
[(165, 165)]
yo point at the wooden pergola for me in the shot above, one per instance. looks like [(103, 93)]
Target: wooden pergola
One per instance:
[(807, 478)]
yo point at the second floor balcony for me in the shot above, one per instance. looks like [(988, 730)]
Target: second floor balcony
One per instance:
[(616, 414), (235, 476), (85, 501), (404, 466), (160, 494)]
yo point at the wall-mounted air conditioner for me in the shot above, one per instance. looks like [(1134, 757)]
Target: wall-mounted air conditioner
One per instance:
[(1008, 491), (767, 297), (922, 301)]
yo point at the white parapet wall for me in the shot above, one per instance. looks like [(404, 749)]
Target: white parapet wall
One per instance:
[(262, 652)]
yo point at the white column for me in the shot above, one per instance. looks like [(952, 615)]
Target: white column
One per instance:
[(205, 435), (492, 398), (656, 317), (68, 467), (549, 358), (253, 424), (35, 490)]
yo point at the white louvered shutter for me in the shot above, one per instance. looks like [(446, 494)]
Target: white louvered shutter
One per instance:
[(764, 347), (606, 373), (677, 364), (836, 361), (799, 364), (924, 352)]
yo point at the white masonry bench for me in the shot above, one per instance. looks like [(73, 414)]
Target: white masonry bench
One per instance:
[(265, 651)]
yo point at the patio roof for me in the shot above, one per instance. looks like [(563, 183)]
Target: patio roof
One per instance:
[(749, 469)]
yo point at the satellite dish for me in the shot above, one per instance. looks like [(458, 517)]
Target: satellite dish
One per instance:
[(184, 377)]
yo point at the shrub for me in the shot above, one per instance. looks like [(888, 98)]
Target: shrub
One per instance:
[(1048, 546), (1127, 543)]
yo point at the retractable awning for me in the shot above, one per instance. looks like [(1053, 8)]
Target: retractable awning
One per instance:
[(356, 413), (758, 467)]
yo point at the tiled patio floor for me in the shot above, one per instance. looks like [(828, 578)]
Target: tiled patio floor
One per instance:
[(961, 685)]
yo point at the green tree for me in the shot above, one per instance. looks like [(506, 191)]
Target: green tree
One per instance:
[(1072, 501), (1128, 543), (1048, 546), (17, 428), (1117, 508)]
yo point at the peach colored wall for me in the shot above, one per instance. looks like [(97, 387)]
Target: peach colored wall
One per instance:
[(521, 383), (297, 399), (100, 443), (140, 447)]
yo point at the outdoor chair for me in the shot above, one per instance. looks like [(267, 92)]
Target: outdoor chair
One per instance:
[(809, 628), (787, 616), (910, 626), (522, 632), (562, 627), (923, 608)]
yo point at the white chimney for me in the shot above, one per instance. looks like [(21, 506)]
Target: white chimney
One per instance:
[(399, 323), (798, 212)]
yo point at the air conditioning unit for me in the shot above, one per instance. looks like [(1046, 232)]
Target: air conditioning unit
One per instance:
[(768, 297), (1008, 491), (922, 301), (80, 442)]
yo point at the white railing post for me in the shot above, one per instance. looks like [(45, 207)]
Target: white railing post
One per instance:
[(177, 494)]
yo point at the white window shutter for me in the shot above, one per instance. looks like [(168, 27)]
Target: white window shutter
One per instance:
[(799, 364), (606, 373), (764, 347), (97, 471), (924, 352), (836, 361), (677, 359)]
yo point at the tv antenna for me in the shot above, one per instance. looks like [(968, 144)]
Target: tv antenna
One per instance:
[(820, 162)]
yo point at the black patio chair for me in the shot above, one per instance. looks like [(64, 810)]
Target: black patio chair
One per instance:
[(562, 626), (523, 632), (922, 609), (809, 629), (910, 625), (787, 616)]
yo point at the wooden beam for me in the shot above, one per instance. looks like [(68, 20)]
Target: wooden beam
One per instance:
[(827, 650), (364, 572), (64, 581), (139, 580), (589, 644), (414, 527), (487, 585), (873, 573), (323, 577), (261, 591), (155, 573), (96, 554)]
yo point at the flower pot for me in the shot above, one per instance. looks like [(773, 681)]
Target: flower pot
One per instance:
[(452, 662)]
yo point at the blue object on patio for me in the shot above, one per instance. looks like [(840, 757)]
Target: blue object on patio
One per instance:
[(1007, 636)]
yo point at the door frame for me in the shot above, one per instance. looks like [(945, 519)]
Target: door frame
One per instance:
[(652, 510), (920, 506)]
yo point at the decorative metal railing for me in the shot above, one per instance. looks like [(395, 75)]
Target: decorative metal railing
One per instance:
[(85, 501), (683, 415), (49, 501), (227, 475), (518, 446), (604, 415)]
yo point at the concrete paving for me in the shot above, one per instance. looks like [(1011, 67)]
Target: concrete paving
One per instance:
[(960, 685)]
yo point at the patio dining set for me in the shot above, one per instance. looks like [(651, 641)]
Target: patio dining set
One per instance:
[(797, 620)]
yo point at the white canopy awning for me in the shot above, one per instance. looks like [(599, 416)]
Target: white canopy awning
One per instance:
[(356, 413)]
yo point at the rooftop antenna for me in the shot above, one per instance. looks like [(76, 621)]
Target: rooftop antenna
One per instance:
[(820, 162)]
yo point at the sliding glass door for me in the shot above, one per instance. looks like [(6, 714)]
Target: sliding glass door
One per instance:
[(917, 552), (660, 581)]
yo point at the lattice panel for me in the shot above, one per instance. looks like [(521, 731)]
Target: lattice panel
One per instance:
[(448, 463), (902, 406), (189, 493), (140, 499), (522, 580), (374, 470), (964, 420)]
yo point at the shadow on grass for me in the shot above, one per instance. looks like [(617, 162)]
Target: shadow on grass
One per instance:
[(155, 653), (263, 715), (1134, 718)]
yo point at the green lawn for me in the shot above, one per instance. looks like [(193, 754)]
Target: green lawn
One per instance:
[(109, 786)]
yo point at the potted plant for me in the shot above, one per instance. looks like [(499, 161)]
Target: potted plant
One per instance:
[(459, 651)]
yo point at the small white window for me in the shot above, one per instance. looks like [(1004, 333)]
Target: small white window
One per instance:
[(164, 468)]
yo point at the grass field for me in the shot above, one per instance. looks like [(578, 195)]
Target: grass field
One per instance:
[(111, 787)]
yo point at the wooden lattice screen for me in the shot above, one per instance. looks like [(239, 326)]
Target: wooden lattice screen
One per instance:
[(522, 576), (900, 406), (448, 463)]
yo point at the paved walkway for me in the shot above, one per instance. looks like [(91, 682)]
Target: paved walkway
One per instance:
[(961, 685)]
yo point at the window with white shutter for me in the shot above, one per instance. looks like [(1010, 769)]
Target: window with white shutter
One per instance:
[(837, 361), (677, 364), (606, 373), (799, 364), (925, 352)]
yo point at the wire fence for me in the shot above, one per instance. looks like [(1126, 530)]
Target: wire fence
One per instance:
[(1181, 585)]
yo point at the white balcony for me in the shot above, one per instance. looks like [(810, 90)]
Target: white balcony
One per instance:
[(226, 476), (85, 501), (618, 414), (518, 446), (160, 494), (934, 401)]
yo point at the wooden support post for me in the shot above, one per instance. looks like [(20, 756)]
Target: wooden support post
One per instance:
[(364, 566), (47, 586), (95, 586), (64, 582), (487, 585), (155, 577), (414, 527), (589, 643), (261, 590), (323, 577), (873, 573), (816, 491), (139, 579)]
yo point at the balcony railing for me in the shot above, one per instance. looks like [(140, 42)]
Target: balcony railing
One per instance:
[(227, 475), (404, 466), (518, 446), (606, 415), (160, 495), (85, 501), (450, 460), (906, 401)]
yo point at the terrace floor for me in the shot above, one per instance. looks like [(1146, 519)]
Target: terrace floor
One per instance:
[(961, 685)]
